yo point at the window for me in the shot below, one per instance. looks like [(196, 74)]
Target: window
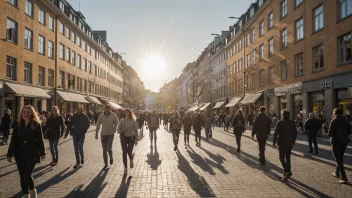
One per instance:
[(41, 76), (61, 28), (345, 8), (271, 75), (62, 49), (284, 38), (283, 8), (271, 47), (68, 34), (260, 3), (88, 49), (247, 41), (89, 69), (51, 23), (318, 58), (271, 20), (68, 54), (261, 28), (253, 81), (50, 77), (73, 37), (345, 53), (62, 78), (299, 64), (299, 29), (28, 40), (84, 45), (78, 61), (41, 16), (284, 70), (253, 35), (261, 52), (41, 45), (248, 60), (11, 31), (78, 41), (13, 2), (254, 54), (11, 68), (84, 62), (240, 65), (246, 82), (50, 49), (29, 8), (298, 3), (318, 22), (240, 45), (261, 78), (27, 72), (73, 56)]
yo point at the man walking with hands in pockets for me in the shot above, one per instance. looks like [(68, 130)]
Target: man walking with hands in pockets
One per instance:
[(107, 121)]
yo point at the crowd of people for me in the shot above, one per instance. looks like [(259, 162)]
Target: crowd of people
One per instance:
[(27, 146)]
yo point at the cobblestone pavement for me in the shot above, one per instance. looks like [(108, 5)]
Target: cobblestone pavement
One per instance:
[(213, 170)]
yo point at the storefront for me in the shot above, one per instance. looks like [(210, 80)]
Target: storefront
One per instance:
[(95, 104), (219, 106), (344, 100), (269, 101), (289, 97), (252, 102), (68, 101), (233, 105), (205, 106)]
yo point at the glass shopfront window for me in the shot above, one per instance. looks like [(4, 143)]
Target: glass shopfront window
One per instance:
[(317, 104), (283, 102), (28, 101), (297, 105), (344, 97), (271, 108)]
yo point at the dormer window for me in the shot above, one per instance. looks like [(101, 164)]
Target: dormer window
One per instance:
[(251, 12), (260, 3)]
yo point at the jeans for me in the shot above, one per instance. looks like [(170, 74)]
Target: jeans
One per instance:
[(285, 157), (25, 165), (127, 144), (152, 133), (238, 139), (176, 136), (187, 132), (338, 151), (106, 142), (78, 142), (313, 139), (208, 132), (53, 149), (261, 143)]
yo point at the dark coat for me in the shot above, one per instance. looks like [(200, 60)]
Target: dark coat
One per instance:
[(187, 123), (79, 125), (157, 120), (339, 131), (312, 126), (5, 122), (285, 133), (26, 141), (55, 127), (238, 124), (197, 122), (261, 126), (250, 119)]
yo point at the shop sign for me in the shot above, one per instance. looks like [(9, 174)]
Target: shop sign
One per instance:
[(326, 84), (288, 89)]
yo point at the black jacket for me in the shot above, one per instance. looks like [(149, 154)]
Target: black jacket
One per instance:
[(26, 141), (55, 127), (157, 120), (79, 125), (187, 122), (285, 133), (250, 118), (197, 122), (5, 122), (339, 131), (238, 124), (312, 126), (261, 126)]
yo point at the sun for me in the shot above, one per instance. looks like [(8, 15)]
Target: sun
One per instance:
[(154, 65)]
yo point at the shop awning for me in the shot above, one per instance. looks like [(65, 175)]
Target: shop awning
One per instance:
[(219, 104), (205, 106), (233, 102), (252, 98), (72, 97), (93, 100), (26, 91), (193, 108), (115, 105)]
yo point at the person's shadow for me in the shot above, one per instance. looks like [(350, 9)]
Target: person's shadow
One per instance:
[(153, 158), (123, 189)]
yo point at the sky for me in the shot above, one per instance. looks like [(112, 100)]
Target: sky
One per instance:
[(176, 30)]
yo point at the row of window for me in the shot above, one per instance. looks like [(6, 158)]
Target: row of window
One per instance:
[(219, 92)]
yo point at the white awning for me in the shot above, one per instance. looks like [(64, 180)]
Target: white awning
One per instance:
[(233, 102), (93, 100), (115, 105), (219, 104), (26, 91), (205, 106), (193, 108), (252, 98), (72, 97)]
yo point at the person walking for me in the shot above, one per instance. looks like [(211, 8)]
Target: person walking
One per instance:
[(78, 127), (250, 119), (27, 147), (274, 120), (197, 127), (54, 130), (128, 130), (339, 131), (312, 127), (175, 128), (261, 128), (238, 124), (153, 125), (227, 122), (5, 125), (208, 123), (187, 125), (285, 136), (107, 122)]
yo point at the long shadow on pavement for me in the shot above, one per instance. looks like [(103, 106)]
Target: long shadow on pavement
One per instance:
[(195, 181), (94, 188), (219, 159), (123, 189), (153, 158), (199, 161)]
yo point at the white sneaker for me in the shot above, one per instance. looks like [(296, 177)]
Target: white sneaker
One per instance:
[(125, 172), (33, 194)]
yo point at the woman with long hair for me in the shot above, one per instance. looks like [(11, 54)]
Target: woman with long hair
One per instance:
[(27, 147), (238, 124), (54, 130), (175, 126), (128, 136)]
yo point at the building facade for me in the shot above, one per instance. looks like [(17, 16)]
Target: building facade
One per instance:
[(150, 101)]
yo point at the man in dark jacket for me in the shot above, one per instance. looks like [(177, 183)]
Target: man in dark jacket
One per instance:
[(197, 127), (312, 127), (153, 125), (261, 128), (285, 135), (250, 118), (339, 131), (6, 125), (78, 126)]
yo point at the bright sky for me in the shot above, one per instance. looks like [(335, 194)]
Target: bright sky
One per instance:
[(169, 33)]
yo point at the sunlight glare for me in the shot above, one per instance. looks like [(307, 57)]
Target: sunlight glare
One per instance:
[(154, 65)]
